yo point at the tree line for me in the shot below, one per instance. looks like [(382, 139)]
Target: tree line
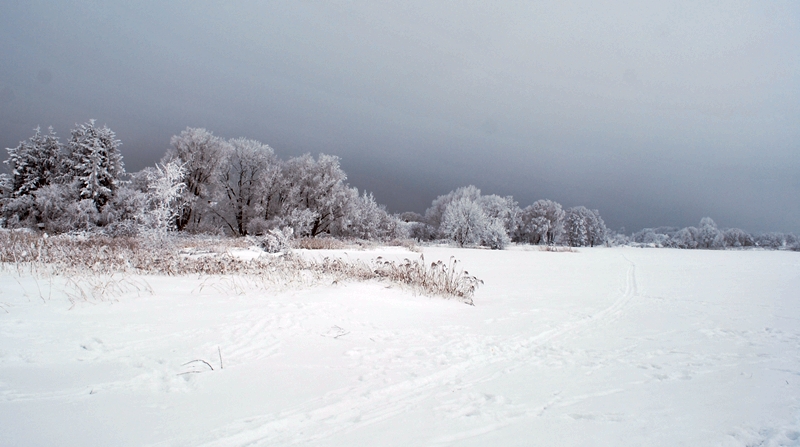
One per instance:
[(208, 184)]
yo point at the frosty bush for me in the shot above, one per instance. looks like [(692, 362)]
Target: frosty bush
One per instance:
[(276, 240)]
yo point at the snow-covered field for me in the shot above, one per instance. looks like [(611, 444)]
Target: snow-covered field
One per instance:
[(606, 346)]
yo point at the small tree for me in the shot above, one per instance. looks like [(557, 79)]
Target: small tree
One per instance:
[(164, 188)]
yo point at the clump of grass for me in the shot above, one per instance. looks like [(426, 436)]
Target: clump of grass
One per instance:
[(557, 249), (408, 244), (98, 266), (330, 243), (438, 278), (319, 243)]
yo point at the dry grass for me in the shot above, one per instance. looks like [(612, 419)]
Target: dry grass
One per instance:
[(557, 249), (98, 267), (330, 243), (319, 243)]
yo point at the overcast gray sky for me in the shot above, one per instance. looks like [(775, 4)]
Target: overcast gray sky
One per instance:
[(654, 112)]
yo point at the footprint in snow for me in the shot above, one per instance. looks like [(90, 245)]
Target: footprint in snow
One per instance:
[(335, 332)]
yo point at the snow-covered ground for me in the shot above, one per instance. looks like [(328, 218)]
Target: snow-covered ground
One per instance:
[(606, 346)]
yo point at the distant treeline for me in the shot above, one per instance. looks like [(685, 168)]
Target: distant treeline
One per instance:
[(239, 187)]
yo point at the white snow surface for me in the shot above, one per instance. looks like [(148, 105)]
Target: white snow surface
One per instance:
[(605, 346)]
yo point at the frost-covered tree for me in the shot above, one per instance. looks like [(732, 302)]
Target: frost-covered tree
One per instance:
[(504, 210), (366, 219), (435, 213), (709, 235), (735, 237), (314, 195), (95, 162), (164, 188), (771, 240), (489, 225), (495, 235), (202, 155), (33, 163), (541, 223), (464, 221), (686, 238), (583, 227), (597, 229), (653, 238), (248, 184)]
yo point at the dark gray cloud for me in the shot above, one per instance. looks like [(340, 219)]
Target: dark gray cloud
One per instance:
[(656, 113)]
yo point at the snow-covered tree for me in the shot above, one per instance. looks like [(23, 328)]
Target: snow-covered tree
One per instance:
[(467, 217), (735, 237), (653, 238), (164, 188), (248, 180), (710, 236), (464, 221), (95, 162), (541, 223), (202, 155), (435, 213), (583, 227), (504, 210), (366, 219), (686, 238), (495, 235), (33, 163), (771, 240), (315, 192)]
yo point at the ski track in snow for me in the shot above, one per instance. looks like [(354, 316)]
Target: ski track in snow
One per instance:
[(443, 371), (344, 410)]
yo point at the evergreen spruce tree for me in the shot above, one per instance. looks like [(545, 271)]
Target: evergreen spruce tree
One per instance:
[(33, 164), (96, 162)]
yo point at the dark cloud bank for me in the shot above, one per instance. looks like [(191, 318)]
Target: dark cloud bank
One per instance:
[(656, 113)]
